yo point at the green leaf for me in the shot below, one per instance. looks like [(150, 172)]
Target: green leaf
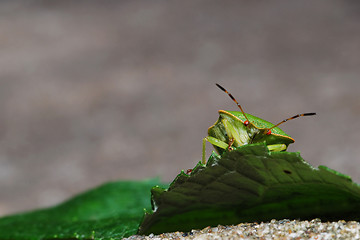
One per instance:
[(245, 185), (111, 211), (251, 184)]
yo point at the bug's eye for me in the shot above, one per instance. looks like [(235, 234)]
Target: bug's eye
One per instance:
[(268, 132), (246, 123)]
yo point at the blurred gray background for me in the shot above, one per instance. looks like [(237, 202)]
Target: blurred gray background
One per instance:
[(96, 91)]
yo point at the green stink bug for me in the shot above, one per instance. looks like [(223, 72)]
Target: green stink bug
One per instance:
[(234, 129)]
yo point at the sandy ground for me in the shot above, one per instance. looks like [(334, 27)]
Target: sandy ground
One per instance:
[(279, 230), (93, 91)]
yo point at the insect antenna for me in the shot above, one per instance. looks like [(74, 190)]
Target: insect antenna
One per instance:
[(293, 117), (231, 96)]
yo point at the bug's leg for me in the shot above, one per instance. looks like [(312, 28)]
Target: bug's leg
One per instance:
[(277, 147), (203, 151), (231, 142), (215, 142)]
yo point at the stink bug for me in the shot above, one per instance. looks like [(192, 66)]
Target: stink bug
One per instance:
[(234, 129)]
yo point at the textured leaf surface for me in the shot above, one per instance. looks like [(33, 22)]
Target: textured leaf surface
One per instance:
[(111, 211), (252, 184)]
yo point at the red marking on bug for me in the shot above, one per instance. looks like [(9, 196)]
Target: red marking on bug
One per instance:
[(246, 123), (268, 132), (188, 171)]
